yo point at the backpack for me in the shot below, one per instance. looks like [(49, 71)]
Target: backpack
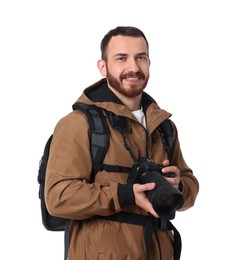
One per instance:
[(98, 131), (99, 141)]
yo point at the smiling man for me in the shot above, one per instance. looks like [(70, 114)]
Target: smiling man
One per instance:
[(111, 213)]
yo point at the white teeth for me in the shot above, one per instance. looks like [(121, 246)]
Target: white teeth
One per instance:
[(132, 78)]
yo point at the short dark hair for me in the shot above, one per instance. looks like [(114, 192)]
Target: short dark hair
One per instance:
[(120, 30)]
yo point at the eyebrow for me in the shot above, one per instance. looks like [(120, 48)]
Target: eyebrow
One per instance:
[(143, 53), (124, 54), (120, 54)]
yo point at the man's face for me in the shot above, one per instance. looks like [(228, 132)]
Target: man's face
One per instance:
[(127, 66)]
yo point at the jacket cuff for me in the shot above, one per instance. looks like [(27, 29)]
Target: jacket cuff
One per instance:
[(126, 194)]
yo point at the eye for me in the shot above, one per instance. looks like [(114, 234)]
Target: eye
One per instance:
[(120, 58), (142, 57)]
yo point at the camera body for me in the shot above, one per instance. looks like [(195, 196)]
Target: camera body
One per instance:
[(165, 198)]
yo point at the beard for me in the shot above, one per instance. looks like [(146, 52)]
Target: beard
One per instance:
[(132, 90)]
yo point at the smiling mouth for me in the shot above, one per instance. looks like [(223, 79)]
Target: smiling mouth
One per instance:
[(133, 79), (133, 76)]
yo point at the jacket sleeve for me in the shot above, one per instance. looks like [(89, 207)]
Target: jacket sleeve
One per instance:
[(189, 183), (68, 191)]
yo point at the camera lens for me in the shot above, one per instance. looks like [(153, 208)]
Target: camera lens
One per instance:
[(164, 197), (165, 200)]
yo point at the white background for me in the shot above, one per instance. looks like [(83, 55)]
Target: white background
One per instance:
[(48, 55)]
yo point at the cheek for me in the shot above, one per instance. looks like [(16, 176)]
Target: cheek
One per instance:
[(145, 70), (115, 72)]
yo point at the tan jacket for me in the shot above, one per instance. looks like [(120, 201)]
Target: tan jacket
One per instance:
[(70, 194)]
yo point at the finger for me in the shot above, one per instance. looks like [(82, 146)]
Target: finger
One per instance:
[(153, 212), (141, 188), (174, 182), (148, 186), (165, 163)]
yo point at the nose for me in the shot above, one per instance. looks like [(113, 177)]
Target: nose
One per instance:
[(132, 65)]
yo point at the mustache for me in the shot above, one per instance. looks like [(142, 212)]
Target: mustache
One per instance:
[(138, 74)]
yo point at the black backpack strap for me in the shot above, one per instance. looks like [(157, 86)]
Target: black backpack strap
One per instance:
[(114, 168), (150, 224), (99, 133), (166, 131), (177, 242)]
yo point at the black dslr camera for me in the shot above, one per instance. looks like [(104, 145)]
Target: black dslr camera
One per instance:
[(164, 197)]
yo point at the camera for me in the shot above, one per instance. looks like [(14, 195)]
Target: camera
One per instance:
[(165, 198)]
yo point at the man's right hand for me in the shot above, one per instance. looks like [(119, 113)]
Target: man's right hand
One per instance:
[(141, 199)]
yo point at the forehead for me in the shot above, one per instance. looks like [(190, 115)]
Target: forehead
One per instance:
[(126, 45)]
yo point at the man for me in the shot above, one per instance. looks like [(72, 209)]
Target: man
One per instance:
[(91, 204)]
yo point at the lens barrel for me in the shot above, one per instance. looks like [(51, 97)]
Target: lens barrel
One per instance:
[(165, 198)]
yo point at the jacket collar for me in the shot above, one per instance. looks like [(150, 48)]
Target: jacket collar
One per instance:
[(99, 92), (100, 95)]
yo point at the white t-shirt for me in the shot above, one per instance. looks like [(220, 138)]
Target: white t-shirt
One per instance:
[(139, 115)]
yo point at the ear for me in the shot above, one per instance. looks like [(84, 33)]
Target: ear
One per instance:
[(101, 64)]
